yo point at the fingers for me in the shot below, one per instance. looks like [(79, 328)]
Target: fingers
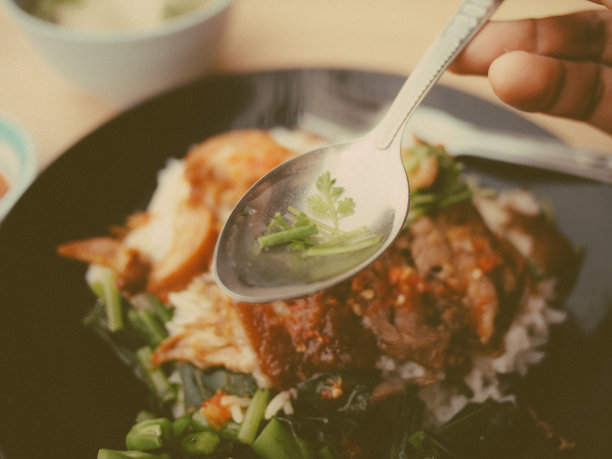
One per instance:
[(535, 83), (560, 65), (585, 35), (607, 3)]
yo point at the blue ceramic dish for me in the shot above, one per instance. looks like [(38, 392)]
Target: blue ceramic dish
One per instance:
[(18, 162)]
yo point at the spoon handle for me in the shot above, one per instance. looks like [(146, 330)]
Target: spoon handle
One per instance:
[(465, 23)]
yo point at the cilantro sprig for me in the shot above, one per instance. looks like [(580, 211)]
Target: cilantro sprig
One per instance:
[(318, 232)]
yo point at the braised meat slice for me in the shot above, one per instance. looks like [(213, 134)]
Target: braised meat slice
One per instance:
[(488, 271), (442, 289), (190, 250), (399, 306), (296, 339), (130, 266)]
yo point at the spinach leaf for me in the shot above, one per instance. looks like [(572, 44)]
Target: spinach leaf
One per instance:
[(331, 406), (200, 385)]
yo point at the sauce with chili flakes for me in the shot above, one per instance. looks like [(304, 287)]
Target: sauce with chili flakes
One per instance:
[(4, 186), (217, 413), (295, 339)]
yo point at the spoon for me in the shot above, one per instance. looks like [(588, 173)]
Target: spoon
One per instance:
[(370, 170)]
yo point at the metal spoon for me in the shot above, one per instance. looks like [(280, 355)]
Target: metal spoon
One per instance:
[(370, 170)]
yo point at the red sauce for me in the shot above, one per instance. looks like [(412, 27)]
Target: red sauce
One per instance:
[(4, 186), (217, 414)]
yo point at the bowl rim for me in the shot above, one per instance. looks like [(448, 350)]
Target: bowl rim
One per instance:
[(24, 152), (173, 25)]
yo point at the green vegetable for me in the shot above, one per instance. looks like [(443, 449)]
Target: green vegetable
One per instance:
[(329, 452), (144, 415), (154, 376), (327, 203), (112, 454), (478, 431), (230, 431), (102, 282), (293, 234), (408, 433), (149, 434), (200, 443), (275, 441), (339, 399), (181, 425), (199, 385), (148, 325), (151, 303), (199, 422), (253, 416), (309, 235), (163, 312)]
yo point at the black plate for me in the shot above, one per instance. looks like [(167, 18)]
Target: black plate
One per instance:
[(64, 394)]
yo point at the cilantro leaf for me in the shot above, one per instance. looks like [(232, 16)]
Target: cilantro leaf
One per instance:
[(346, 207), (317, 205), (313, 236)]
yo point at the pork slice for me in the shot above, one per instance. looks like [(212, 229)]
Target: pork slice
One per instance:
[(430, 251), (486, 268), (402, 308), (190, 251), (296, 339), (436, 295)]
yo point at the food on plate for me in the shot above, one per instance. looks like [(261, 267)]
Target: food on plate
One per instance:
[(405, 359), (111, 14)]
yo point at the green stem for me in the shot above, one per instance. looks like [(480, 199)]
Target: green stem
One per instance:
[(319, 251), (348, 237), (276, 441), (328, 452), (148, 325), (113, 454), (180, 425), (320, 225), (200, 443), (154, 375), (161, 310), (103, 286), (149, 434), (283, 237), (253, 416)]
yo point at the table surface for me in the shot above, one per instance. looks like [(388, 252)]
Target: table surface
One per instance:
[(380, 35)]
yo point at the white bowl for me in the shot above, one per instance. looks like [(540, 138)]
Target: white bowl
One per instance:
[(18, 162), (126, 66)]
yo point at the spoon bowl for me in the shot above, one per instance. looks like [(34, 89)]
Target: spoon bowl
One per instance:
[(369, 169), (375, 180)]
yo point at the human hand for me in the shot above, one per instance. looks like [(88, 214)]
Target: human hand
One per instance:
[(559, 65)]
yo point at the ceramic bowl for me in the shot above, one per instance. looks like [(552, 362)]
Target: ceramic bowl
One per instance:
[(126, 66)]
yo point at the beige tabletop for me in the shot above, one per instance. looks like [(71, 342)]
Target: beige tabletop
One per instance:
[(381, 35)]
